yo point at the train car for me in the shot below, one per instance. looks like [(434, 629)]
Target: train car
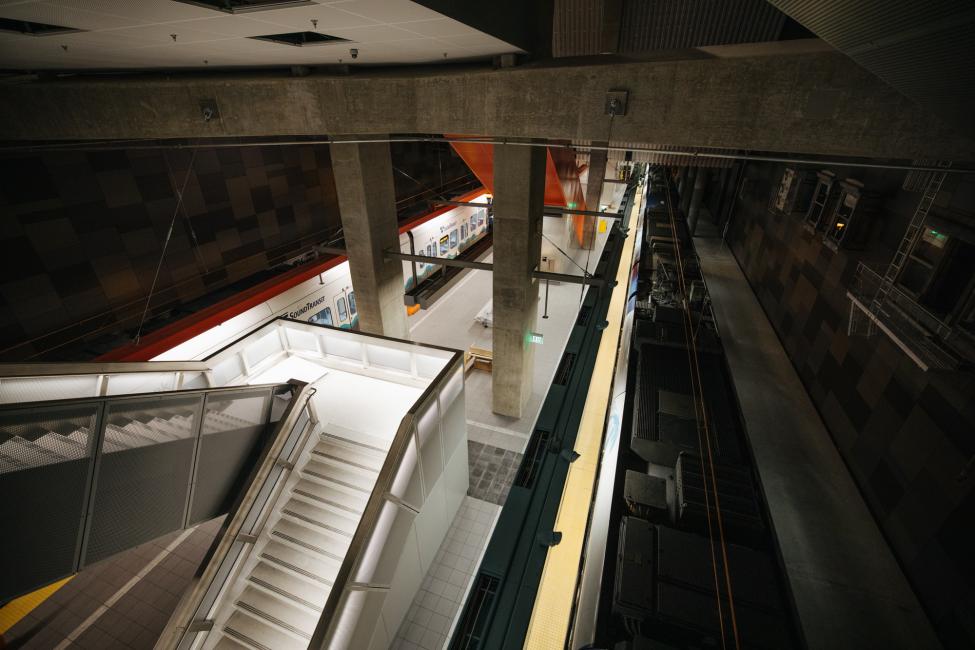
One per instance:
[(446, 235), (318, 292)]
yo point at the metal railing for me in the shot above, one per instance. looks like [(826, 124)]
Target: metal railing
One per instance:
[(245, 519), (925, 337), (34, 382), (390, 488), (90, 477)]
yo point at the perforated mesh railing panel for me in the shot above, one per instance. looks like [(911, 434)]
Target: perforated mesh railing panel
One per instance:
[(233, 425), (44, 464), (87, 478), (144, 472)]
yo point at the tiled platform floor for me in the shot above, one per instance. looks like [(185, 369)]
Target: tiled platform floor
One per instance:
[(76, 616), (492, 471), (437, 605)]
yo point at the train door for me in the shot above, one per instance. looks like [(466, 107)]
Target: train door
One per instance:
[(342, 311), (353, 312)]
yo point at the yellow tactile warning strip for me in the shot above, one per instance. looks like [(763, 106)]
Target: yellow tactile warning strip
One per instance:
[(18, 608), (550, 619)]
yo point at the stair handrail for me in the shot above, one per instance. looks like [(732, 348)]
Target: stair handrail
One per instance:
[(245, 516), (370, 516), (99, 407), (45, 369)]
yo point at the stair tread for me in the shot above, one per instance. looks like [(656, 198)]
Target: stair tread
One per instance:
[(278, 611), (318, 540), (260, 634), (344, 525), (356, 437), (322, 489), (302, 590), (339, 448), (306, 562), (335, 471), (229, 643)]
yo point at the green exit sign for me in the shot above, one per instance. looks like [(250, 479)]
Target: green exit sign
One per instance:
[(535, 337), (572, 204)]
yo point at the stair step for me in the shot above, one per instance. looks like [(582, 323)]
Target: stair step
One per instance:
[(62, 445), (358, 438), (317, 540), (335, 471), (302, 590), (26, 452), (8, 464), (150, 430), (320, 517), (278, 611), (254, 632), (321, 489), (302, 561), (349, 452), (229, 643), (176, 429), (116, 439)]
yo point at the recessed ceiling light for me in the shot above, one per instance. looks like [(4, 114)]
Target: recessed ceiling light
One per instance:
[(33, 29), (301, 39), (243, 6)]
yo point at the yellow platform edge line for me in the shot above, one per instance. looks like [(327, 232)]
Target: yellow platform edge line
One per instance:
[(549, 625), (18, 608)]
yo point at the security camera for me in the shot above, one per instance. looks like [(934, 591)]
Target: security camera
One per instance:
[(354, 52)]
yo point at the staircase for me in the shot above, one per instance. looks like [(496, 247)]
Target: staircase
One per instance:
[(287, 577), (52, 444)]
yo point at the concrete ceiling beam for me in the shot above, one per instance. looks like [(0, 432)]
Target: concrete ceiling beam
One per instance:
[(810, 103)]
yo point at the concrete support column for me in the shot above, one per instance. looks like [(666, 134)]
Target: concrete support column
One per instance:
[(594, 190), (685, 195), (367, 202), (519, 197), (700, 182)]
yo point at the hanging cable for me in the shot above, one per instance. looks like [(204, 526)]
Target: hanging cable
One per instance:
[(162, 255), (585, 273), (189, 222)]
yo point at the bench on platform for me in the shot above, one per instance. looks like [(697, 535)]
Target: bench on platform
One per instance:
[(478, 359)]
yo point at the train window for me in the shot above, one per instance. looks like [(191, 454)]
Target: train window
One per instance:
[(444, 245), (324, 317), (453, 238), (343, 313), (480, 216), (473, 222), (352, 309), (463, 231), (431, 251)]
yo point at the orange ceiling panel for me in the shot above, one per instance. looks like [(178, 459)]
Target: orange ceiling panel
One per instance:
[(561, 179)]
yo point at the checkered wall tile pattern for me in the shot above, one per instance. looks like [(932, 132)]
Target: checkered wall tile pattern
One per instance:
[(905, 434), (82, 231)]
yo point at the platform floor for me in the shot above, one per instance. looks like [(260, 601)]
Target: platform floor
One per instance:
[(848, 590)]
